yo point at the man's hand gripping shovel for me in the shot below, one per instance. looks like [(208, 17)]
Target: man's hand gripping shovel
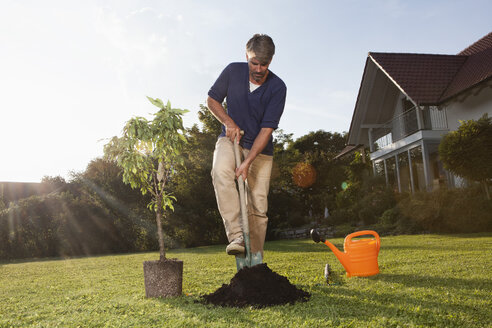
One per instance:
[(248, 259)]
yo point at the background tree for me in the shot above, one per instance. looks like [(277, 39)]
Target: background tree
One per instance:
[(93, 213), (363, 197), (102, 183), (2, 202), (149, 152), (53, 184), (319, 149), (467, 152), (196, 220), (284, 205), (305, 177)]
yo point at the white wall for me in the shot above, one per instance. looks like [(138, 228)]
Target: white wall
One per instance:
[(472, 106)]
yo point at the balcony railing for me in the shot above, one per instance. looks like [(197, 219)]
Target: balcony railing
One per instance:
[(407, 124)]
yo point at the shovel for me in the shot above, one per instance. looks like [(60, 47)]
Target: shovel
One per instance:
[(246, 259)]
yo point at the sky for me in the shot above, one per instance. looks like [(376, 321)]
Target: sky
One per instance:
[(73, 72)]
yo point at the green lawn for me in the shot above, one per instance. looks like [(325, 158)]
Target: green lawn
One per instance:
[(425, 281)]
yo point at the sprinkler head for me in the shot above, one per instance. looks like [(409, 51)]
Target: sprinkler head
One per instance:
[(327, 273), (316, 237)]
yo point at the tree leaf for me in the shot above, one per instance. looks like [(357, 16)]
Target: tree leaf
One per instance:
[(157, 102)]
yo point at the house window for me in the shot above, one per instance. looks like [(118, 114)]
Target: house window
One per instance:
[(391, 177), (379, 168), (418, 173), (406, 123), (439, 175), (404, 172)]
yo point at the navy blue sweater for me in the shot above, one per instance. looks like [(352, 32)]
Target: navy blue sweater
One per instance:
[(251, 111)]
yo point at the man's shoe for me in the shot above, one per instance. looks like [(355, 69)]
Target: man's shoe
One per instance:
[(236, 247)]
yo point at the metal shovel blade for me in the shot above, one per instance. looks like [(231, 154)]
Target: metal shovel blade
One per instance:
[(241, 262)]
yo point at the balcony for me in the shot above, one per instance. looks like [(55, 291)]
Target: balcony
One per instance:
[(406, 124)]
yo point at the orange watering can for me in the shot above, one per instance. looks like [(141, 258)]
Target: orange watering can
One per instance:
[(360, 257)]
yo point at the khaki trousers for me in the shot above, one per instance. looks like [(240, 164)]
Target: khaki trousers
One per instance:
[(257, 186)]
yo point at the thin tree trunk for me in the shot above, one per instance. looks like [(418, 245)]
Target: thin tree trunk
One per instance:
[(159, 228)]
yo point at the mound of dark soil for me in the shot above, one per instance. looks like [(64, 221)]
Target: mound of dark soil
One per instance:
[(257, 286)]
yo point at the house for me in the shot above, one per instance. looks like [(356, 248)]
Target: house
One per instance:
[(407, 102)]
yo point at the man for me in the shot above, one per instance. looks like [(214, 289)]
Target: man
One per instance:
[(255, 102)]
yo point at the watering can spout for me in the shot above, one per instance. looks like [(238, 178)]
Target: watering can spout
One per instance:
[(342, 257)]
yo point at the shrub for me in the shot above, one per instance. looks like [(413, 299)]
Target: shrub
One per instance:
[(60, 224), (467, 211), (452, 211), (343, 216), (285, 210), (406, 226), (375, 203), (343, 230), (364, 202), (390, 216), (466, 151)]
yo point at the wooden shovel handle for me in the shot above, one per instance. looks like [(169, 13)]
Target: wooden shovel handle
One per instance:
[(242, 200)]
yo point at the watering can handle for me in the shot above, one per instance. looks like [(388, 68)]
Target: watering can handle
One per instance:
[(348, 239)]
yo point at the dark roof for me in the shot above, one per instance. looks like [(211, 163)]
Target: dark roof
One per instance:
[(432, 79), (479, 46), (424, 78), (477, 68)]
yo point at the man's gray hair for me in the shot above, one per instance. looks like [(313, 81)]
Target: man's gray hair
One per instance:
[(262, 46)]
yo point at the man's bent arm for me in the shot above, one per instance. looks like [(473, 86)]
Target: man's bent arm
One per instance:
[(232, 130), (259, 144)]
